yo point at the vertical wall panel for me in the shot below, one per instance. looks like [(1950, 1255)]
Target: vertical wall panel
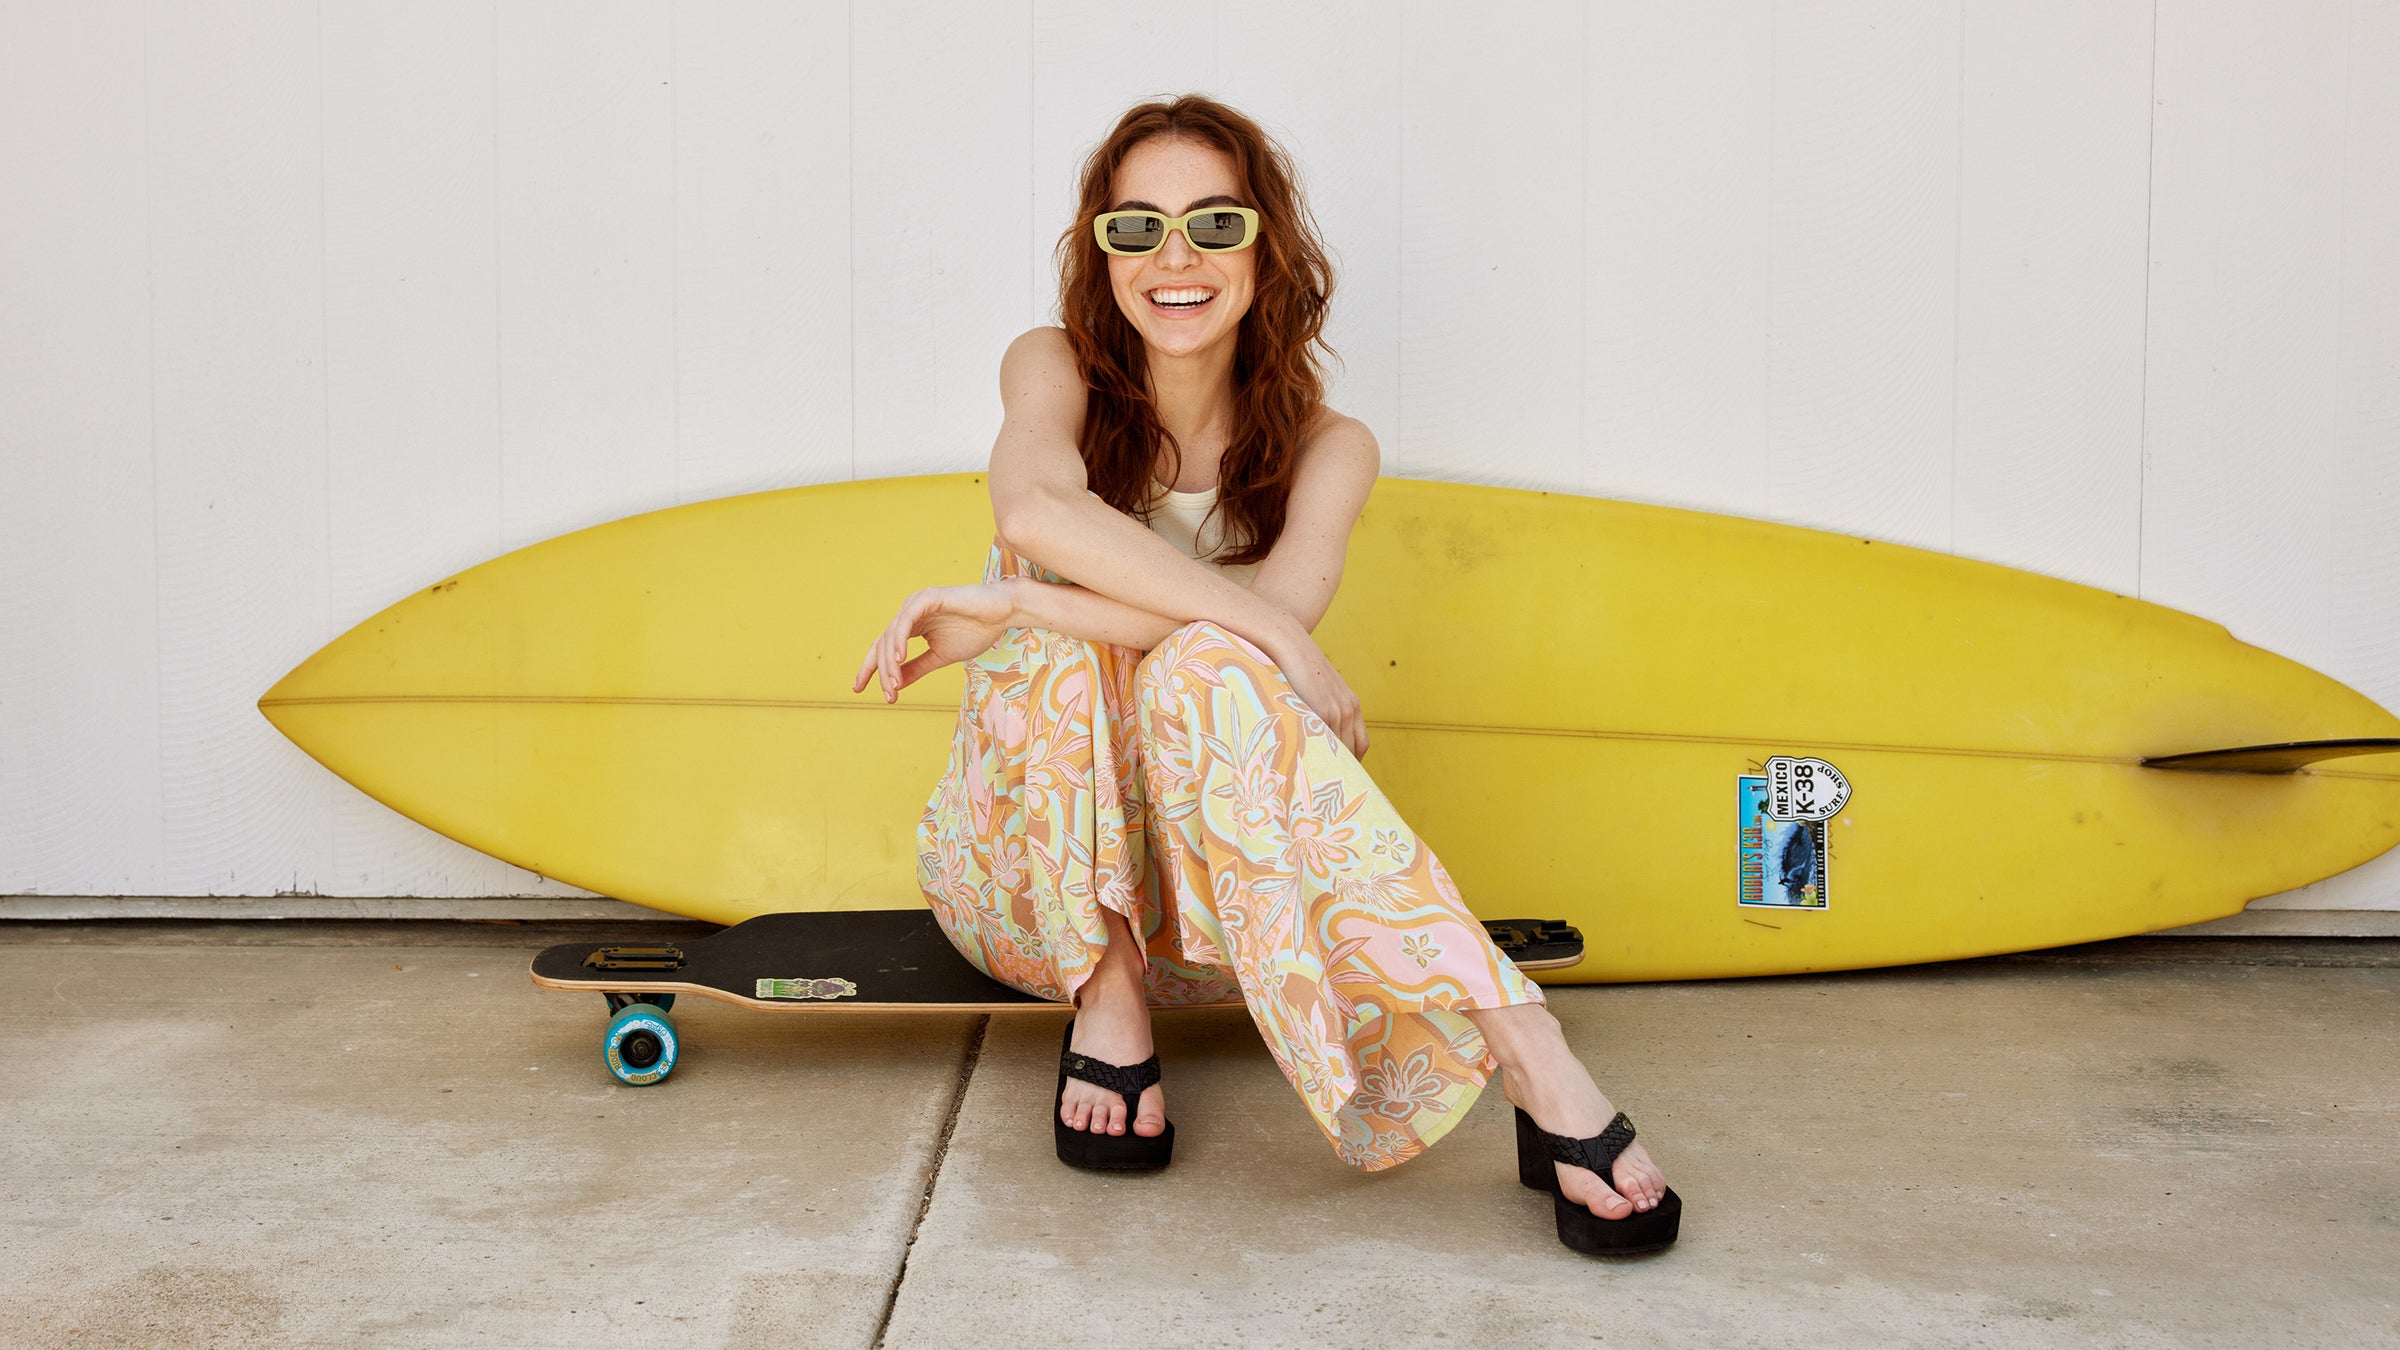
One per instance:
[(1863, 304), (1092, 60), (412, 366), (2053, 233), (586, 117), (238, 336), (79, 668), (2362, 640), (1677, 231), (941, 222), (1491, 244), (1323, 78), (762, 245), (2244, 318)]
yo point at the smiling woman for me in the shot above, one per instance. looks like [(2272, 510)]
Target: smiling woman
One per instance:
[(1208, 291), (1155, 793)]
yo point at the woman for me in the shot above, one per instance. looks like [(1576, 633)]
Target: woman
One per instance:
[(1155, 793)]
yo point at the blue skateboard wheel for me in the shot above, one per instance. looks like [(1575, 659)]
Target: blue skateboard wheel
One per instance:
[(640, 1046)]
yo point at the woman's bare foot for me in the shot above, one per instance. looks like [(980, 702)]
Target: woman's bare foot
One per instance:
[(1112, 1025), (1544, 1078)]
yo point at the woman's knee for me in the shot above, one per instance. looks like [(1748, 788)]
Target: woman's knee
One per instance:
[(1203, 640)]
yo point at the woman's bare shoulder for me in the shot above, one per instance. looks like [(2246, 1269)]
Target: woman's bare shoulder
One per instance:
[(1042, 397), (1337, 436), (1041, 356)]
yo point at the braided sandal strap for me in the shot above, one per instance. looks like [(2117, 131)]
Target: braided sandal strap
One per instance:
[(1124, 1079), (1597, 1153)]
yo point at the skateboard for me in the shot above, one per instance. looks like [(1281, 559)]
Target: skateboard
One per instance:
[(886, 961)]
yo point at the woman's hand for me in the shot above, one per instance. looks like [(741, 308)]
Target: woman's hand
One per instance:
[(1321, 687), (958, 623)]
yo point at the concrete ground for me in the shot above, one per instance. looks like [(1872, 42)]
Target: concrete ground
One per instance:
[(243, 1134)]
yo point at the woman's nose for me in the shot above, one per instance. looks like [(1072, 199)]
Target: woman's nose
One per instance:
[(1177, 251)]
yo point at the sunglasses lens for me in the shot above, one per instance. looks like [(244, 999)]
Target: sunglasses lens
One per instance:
[(1134, 233), (1217, 229)]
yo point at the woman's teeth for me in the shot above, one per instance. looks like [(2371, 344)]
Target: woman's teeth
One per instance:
[(1181, 299)]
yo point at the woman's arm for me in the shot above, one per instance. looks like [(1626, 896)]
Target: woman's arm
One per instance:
[(1300, 575), (1079, 612), (1045, 510), (1337, 470)]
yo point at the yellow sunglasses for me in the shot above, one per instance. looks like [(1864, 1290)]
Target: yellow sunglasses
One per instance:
[(1211, 229)]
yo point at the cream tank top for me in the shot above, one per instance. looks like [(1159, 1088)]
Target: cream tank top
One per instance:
[(1178, 517)]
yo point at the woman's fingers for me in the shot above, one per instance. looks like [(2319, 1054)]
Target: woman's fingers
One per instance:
[(917, 667), (883, 655), (895, 644)]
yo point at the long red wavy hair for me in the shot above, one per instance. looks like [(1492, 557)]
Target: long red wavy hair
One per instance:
[(1278, 381)]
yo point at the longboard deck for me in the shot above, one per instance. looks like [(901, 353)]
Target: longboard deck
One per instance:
[(871, 961)]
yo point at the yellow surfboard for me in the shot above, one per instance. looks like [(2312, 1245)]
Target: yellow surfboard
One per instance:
[(1718, 746)]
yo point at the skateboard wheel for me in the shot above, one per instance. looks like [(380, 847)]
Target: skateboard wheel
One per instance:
[(640, 1046)]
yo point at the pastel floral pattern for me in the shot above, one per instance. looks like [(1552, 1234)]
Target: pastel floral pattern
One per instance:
[(1191, 790)]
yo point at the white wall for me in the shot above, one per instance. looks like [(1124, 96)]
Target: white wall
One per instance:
[(303, 303)]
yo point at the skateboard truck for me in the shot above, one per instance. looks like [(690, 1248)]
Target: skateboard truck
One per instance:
[(1536, 943), (653, 957)]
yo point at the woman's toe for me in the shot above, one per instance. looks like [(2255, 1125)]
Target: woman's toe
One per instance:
[(1595, 1195), (1607, 1203), (1152, 1122)]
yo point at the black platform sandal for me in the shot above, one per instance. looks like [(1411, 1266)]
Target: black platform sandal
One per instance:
[(1578, 1227), (1127, 1152)]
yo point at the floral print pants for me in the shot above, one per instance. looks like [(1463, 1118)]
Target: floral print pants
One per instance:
[(1193, 792)]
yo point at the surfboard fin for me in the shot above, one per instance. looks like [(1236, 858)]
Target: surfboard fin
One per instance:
[(2285, 757)]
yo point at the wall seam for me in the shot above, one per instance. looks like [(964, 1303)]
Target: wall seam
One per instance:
[(1587, 479), (499, 313), (2333, 577), (850, 217), (1958, 250), (1399, 456), (675, 253), (333, 861), (2141, 456), (1766, 385), (158, 637)]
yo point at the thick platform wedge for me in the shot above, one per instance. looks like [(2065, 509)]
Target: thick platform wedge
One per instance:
[(1127, 1152), (1578, 1227)]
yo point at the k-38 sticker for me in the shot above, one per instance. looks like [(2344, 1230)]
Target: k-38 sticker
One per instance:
[(1804, 789), (1780, 818)]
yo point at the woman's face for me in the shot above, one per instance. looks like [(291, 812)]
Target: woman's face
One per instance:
[(1173, 175)]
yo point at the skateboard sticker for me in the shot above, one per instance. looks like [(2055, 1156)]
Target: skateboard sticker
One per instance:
[(798, 989), (1782, 861)]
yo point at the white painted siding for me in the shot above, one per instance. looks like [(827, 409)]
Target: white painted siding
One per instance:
[(302, 304)]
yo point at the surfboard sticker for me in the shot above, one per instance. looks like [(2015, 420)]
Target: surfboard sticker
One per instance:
[(1782, 861), (1800, 788)]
